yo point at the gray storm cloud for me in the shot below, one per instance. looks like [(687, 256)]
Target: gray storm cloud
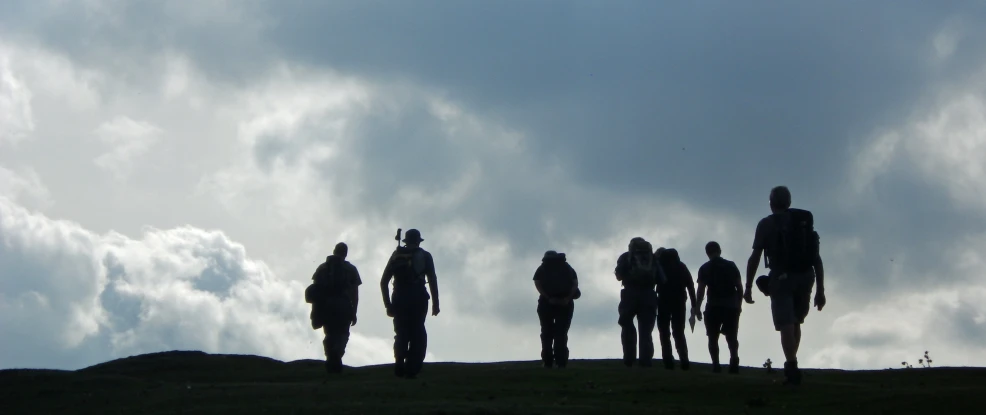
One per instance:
[(500, 132)]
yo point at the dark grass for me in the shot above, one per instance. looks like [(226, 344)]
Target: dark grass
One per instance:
[(199, 383)]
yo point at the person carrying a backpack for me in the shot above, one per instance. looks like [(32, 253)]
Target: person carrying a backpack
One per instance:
[(671, 307), (638, 271), (334, 295), (721, 277), (558, 285), (410, 266), (788, 239)]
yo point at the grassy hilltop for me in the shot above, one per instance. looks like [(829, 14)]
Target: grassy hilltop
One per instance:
[(200, 383)]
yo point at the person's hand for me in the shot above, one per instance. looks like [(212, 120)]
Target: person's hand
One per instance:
[(748, 295), (354, 321), (390, 311), (697, 313), (434, 309), (820, 299)]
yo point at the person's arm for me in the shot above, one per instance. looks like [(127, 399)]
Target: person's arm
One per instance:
[(753, 264), (701, 286), (433, 284), (537, 281), (385, 286), (820, 281), (575, 285), (621, 267), (737, 281), (354, 293), (689, 284)]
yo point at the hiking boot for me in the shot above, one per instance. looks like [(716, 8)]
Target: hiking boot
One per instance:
[(792, 374), (716, 368), (399, 368), (628, 362), (669, 364), (646, 363), (685, 365), (546, 364), (734, 365)]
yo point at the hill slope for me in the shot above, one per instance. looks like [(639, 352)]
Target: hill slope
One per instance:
[(195, 382)]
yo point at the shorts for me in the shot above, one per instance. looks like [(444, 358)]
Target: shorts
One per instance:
[(724, 320), (790, 297)]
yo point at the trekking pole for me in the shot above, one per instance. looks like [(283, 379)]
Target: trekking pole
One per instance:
[(398, 237)]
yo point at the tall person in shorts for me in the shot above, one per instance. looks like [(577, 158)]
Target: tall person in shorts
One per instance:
[(788, 239)]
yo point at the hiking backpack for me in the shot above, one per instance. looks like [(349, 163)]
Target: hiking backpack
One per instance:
[(643, 267), (331, 280), (674, 272), (406, 271), (797, 243), (556, 277)]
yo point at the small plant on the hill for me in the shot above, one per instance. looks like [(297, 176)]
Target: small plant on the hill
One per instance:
[(926, 362), (906, 366), (769, 366)]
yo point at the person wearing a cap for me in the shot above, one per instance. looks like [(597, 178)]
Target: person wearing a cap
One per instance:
[(409, 266)]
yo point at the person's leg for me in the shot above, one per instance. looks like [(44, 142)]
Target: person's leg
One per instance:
[(731, 331), (562, 324), (418, 344), (797, 339), (400, 341), (801, 288), (664, 331), (782, 310), (545, 316), (646, 318), (340, 333), (713, 327), (628, 333), (327, 347), (802, 303), (678, 331)]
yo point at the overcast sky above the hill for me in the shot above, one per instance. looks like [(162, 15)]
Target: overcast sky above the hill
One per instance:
[(172, 172)]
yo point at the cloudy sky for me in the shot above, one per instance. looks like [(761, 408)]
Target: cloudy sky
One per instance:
[(171, 173)]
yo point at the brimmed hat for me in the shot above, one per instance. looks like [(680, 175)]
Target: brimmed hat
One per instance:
[(412, 235)]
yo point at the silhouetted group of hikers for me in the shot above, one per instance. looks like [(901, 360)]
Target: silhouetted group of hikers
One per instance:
[(656, 288)]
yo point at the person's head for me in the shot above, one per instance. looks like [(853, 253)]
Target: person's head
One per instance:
[(780, 199), (713, 250), (412, 238), (638, 244), (341, 250), (659, 252), (553, 256), (669, 256)]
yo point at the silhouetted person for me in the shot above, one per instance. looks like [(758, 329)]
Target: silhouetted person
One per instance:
[(640, 274), (558, 285), (790, 243), (335, 300), (722, 279), (671, 307), (409, 266)]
